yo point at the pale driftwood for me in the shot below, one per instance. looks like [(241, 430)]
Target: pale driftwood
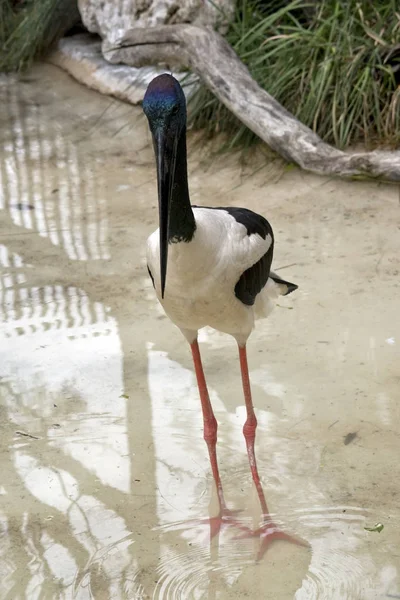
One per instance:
[(80, 55), (213, 59), (109, 18)]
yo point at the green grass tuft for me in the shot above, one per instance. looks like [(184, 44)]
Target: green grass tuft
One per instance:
[(28, 28), (335, 65)]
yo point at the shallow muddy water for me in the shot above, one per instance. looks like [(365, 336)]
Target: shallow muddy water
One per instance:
[(104, 473)]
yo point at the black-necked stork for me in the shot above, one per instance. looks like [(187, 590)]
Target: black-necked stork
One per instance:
[(218, 262)]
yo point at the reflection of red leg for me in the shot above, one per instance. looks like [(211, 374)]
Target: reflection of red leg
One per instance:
[(268, 532), (210, 436)]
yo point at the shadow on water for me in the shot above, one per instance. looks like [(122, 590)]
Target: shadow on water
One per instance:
[(72, 446)]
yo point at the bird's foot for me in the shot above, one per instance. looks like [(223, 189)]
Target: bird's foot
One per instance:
[(269, 532), (224, 518)]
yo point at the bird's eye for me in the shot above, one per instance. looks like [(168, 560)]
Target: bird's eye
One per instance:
[(175, 110)]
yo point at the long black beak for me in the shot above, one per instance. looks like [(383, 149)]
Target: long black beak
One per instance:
[(166, 159)]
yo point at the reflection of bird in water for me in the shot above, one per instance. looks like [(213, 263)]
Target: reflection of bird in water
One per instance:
[(219, 272)]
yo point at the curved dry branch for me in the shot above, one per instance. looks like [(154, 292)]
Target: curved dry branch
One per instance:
[(212, 58)]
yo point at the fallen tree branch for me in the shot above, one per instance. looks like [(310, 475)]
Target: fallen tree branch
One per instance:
[(212, 58)]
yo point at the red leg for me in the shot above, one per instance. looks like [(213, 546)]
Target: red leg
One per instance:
[(268, 532), (210, 436), (249, 428)]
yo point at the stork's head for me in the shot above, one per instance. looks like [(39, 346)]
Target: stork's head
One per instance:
[(164, 105)]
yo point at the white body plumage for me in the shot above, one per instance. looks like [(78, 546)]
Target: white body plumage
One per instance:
[(202, 275)]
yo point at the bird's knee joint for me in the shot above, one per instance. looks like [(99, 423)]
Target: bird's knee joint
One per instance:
[(210, 431), (210, 439), (249, 428)]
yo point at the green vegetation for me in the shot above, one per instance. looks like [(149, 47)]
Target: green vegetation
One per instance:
[(29, 27), (335, 65)]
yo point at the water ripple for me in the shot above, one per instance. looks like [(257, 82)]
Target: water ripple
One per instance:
[(335, 570)]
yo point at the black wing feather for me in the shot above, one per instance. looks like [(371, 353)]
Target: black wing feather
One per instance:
[(252, 281), (253, 222), (291, 287)]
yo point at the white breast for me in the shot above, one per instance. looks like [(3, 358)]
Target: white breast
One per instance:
[(202, 274)]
